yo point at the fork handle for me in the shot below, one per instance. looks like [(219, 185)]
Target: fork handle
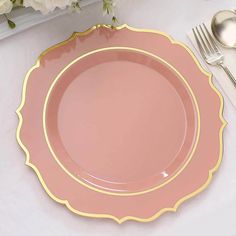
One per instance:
[(228, 73)]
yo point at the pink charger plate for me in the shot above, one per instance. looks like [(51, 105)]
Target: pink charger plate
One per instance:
[(121, 123)]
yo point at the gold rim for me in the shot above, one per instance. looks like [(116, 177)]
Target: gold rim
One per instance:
[(121, 220), (77, 179)]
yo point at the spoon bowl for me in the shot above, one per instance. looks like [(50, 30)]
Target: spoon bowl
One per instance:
[(223, 27)]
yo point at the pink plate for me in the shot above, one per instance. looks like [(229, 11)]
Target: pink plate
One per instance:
[(118, 128)]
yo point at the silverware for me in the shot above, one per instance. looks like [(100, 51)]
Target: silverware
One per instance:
[(223, 26), (210, 51)]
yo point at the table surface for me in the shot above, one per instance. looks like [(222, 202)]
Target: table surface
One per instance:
[(26, 209)]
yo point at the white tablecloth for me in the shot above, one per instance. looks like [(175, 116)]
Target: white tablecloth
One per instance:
[(25, 209)]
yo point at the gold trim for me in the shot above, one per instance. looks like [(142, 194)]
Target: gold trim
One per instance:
[(77, 179), (121, 220)]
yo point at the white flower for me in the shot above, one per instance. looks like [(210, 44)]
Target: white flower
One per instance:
[(5, 6), (46, 6)]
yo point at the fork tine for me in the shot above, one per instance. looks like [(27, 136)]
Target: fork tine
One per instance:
[(213, 43), (202, 41), (210, 47), (199, 44)]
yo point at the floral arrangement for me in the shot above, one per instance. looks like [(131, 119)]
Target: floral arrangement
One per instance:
[(47, 6)]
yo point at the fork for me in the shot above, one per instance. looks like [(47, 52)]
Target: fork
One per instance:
[(210, 50)]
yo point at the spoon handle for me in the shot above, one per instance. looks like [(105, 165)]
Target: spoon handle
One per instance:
[(229, 74)]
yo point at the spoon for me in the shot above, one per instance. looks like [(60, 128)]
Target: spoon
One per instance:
[(223, 26)]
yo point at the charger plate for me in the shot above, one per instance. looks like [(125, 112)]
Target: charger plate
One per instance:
[(121, 123)]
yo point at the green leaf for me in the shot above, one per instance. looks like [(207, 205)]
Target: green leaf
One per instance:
[(11, 24), (107, 6), (114, 19)]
